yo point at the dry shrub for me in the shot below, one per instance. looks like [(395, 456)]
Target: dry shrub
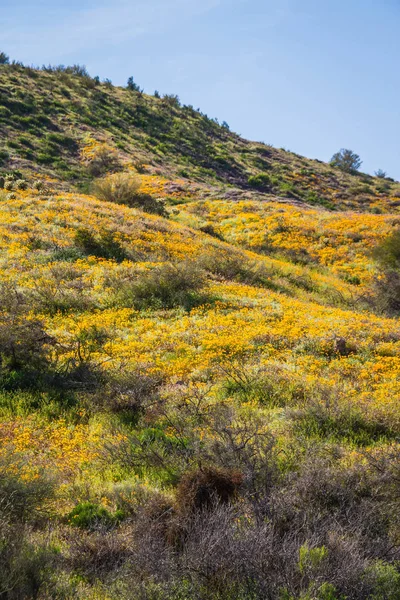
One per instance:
[(124, 188), (200, 489), (104, 160), (157, 516), (97, 554), (386, 284), (121, 188), (24, 563), (326, 534), (229, 265), (386, 292), (130, 393), (23, 500)]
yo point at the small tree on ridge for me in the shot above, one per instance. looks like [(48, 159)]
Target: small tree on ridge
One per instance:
[(4, 59), (346, 160)]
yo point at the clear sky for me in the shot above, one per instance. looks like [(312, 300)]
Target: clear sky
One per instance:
[(311, 76)]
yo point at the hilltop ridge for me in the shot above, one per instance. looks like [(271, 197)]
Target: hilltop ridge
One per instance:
[(53, 121)]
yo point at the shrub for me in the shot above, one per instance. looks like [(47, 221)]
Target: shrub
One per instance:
[(380, 174), (21, 184), (229, 265), (383, 188), (123, 188), (105, 246), (24, 566), (24, 343), (23, 500), (385, 580), (129, 393), (132, 86), (387, 253), (235, 265), (87, 515), (4, 59), (172, 100), (386, 291), (62, 290), (4, 157), (287, 189), (202, 488), (38, 185), (97, 553), (79, 70), (317, 533), (386, 284), (210, 230), (261, 181), (166, 286), (83, 368), (104, 160), (151, 205), (346, 160)]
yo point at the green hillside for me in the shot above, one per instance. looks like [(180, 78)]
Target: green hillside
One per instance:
[(48, 116)]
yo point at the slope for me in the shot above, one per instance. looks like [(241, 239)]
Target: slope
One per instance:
[(54, 121), (199, 405)]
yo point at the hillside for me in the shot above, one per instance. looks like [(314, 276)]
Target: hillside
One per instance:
[(52, 122), (200, 399)]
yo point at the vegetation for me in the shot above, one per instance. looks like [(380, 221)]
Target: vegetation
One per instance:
[(132, 86), (124, 188), (199, 357), (72, 128), (346, 160), (387, 280)]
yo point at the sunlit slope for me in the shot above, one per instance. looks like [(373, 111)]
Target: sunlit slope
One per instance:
[(265, 313), (42, 234), (340, 242)]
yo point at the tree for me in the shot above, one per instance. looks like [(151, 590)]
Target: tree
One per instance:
[(381, 174), (172, 100), (131, 85), (4, 59), (79, 70), (346, 160)]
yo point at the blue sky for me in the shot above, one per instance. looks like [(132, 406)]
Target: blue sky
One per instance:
[(312, 76)]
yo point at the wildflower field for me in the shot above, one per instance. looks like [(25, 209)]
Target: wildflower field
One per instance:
[(199, 388)]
